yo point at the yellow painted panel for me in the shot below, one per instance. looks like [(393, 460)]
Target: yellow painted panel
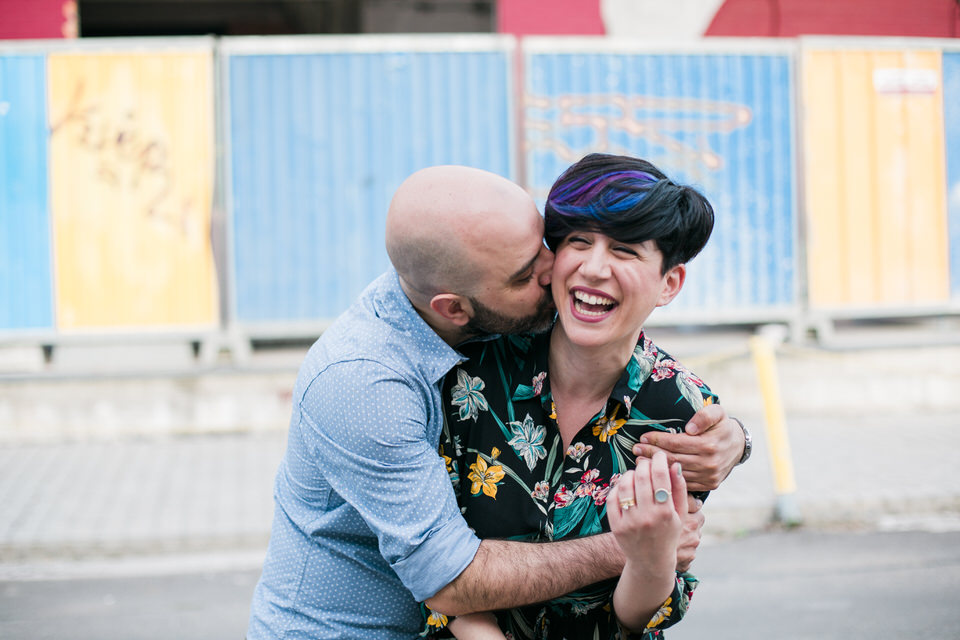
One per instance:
[(889, 164), (131, 175), (927, 229), (859, 199), (875, 176), (821, 79)]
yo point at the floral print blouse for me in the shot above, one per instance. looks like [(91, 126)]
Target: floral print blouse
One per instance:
[(514, 481)]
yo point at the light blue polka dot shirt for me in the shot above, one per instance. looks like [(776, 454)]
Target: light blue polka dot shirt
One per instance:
[(366, 522)]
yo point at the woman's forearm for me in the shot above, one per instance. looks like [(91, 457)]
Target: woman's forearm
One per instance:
[(640, 594)]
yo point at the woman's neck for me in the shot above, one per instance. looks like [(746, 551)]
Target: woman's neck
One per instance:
[(585, 374)]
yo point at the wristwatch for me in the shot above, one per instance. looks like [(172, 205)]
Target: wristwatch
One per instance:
[(747, 442)]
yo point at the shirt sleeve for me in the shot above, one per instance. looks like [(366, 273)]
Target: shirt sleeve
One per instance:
[(672, 611), (367, 428)]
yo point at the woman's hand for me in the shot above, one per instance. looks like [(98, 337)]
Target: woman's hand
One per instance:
[(646, 510)]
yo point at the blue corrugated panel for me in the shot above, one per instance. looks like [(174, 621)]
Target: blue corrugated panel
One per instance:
[(25, 285), (951, 119), (723, 122), (318, 144)]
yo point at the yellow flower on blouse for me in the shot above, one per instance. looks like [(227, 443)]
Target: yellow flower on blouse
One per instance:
[(485, 477), (436, 619), (606, 427), (661, 615)]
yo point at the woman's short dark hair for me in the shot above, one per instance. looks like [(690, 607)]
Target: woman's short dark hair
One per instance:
[(632, 201)]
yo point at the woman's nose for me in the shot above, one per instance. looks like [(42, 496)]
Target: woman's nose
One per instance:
[(595, 264)]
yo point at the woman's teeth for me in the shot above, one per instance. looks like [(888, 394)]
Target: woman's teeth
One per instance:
[(592, 305)]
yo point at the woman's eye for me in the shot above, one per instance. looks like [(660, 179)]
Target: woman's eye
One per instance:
[(577, 240), (626, 251)]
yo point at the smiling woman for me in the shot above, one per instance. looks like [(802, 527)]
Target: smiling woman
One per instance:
[(539, 431), (622, 233), (601, 287)]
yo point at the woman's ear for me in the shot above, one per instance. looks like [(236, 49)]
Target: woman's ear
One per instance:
[(452, 307), (672, 283)]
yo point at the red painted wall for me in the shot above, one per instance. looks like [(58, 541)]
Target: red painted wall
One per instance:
[(789, 18), (549, 17), (768, 18), (21, 19)]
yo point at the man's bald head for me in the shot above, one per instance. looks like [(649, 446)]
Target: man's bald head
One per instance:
[(443, 219)]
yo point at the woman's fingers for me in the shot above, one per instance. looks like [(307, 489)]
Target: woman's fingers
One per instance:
[(661, 485), (626, 494), (647, 489)]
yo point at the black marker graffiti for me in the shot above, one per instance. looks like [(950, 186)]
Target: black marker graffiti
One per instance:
[(127, 158)]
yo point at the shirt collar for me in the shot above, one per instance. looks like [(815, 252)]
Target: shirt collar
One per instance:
[(625, 390), (433, 356)]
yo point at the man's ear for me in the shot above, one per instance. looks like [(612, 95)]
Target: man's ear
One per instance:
[(672, 283), (452, 307)]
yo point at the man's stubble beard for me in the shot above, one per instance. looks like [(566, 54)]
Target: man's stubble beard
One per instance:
[(486, 321)]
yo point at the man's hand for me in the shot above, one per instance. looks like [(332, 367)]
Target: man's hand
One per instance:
[(690, 536), (708, 451)]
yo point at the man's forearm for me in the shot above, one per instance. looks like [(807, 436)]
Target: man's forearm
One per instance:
[(507, 574)]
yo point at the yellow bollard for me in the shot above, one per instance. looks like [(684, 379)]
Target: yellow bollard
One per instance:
[(762, 348)]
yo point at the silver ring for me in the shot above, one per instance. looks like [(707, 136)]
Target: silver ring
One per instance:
[(661, 495)]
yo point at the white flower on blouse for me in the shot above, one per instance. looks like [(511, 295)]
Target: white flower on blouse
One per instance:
[(466, 395), (527, 440)]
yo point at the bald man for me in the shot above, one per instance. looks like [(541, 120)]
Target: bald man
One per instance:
[(468, 248), (366, 522)]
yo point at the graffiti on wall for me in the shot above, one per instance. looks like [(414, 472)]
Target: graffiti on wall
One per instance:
[(131, 183), (612, 123), (127, 158)]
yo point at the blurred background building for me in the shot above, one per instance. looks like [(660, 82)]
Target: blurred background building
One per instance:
[(633, 18)]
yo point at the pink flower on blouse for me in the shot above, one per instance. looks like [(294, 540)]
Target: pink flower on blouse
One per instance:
[(663, 370), (563, 497), (538, 382), (600, 495), (590, 476)]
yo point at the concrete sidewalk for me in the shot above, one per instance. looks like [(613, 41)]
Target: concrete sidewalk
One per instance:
[(213, 493), (875, 437)]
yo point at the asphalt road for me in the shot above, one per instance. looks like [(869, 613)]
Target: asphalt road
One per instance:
[(830, 586), (787, 585)]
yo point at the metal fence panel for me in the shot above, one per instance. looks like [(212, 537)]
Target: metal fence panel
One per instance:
[(321, 132), (718, 117), (131, 173), (25, 285), (875, 200)]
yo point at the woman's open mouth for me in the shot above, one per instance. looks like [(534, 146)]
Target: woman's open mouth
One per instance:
[(591, 306)]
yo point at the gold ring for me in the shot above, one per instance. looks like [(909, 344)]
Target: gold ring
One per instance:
[(661, 495), (626, 504)]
